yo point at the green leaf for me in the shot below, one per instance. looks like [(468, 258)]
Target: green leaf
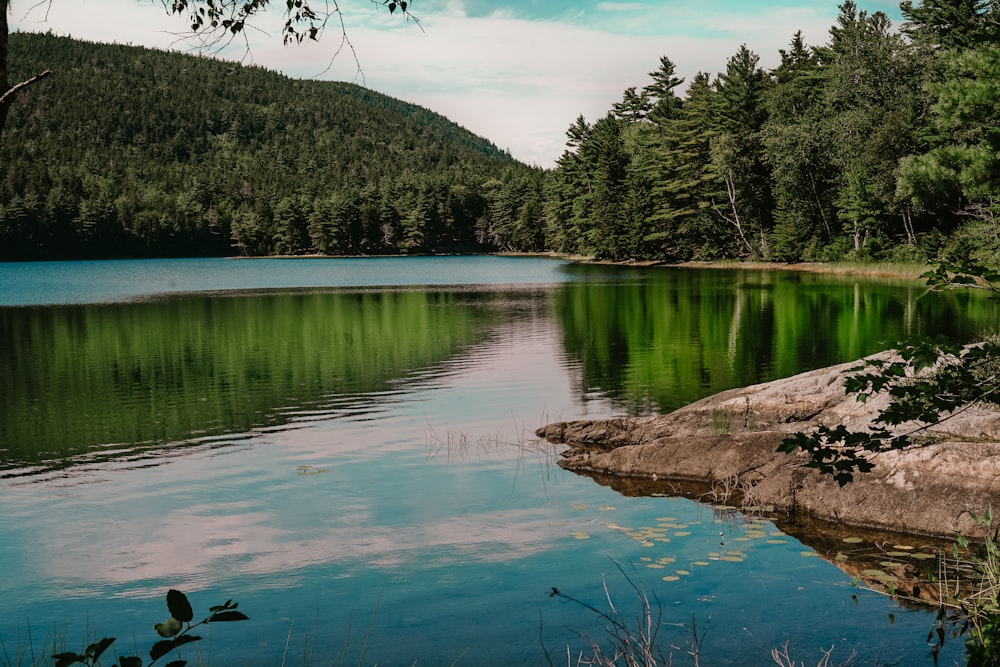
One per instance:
[(132, 661), (67, 659), (164, 647), (169, 627), (95, 650), (179, 606), (229, 615)]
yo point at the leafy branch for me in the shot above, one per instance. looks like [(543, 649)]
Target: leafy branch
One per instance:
[(930, 382), (232, 17), (176, 630)]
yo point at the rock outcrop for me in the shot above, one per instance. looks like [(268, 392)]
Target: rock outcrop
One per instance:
[(727, 444)]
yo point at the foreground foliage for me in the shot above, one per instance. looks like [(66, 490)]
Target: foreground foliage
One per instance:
[(973, 614), (176, 631)]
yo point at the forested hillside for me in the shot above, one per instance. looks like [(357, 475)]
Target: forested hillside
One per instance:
[(127, 151), (878, 144)]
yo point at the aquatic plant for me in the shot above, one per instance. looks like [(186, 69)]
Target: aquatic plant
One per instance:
[(969, 585), (176, 632), (634, 643)]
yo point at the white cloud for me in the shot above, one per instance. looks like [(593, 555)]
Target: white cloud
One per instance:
[(621, 7), (517, 82)]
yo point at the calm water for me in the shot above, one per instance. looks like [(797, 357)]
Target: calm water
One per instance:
[(356, 456)]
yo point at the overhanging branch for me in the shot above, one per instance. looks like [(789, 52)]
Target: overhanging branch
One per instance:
[(8, 96)]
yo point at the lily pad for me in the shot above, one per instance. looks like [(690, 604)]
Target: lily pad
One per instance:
[(671, 577), (581, 535)]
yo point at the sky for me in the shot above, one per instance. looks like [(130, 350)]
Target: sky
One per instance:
[(517, 72)]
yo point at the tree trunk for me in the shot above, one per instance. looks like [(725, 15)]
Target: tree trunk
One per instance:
[(730, 181), (911, 236), (4, 82)]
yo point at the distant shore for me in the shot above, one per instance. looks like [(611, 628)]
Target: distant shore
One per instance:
[(846, 268), (873, 269)]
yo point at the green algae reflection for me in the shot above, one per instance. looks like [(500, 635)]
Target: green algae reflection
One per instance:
[(75, 379)]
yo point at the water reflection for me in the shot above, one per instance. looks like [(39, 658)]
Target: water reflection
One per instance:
[(92, 381), (668, 337), (179, 443)]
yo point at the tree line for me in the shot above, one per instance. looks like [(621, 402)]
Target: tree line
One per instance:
[(879, 144)]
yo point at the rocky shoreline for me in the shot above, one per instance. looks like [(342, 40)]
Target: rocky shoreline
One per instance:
[(726, 445)]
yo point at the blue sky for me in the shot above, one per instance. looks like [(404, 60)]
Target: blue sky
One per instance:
[(518, 72)]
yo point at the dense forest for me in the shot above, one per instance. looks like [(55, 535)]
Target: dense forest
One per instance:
[(883, 143), (879, 144), (127, 151)]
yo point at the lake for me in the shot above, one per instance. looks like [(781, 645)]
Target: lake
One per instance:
[(345, 447)]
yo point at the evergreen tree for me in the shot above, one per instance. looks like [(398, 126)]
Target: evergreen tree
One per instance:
[(738, 153), (952, 24), (961, 173), (608, 234), (683, 184), (634, 107), (661, 91)]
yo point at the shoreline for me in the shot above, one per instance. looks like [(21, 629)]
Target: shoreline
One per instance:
[(728, 442), (846, 268)]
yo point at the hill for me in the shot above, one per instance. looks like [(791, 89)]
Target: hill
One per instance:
[(129, 151)]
